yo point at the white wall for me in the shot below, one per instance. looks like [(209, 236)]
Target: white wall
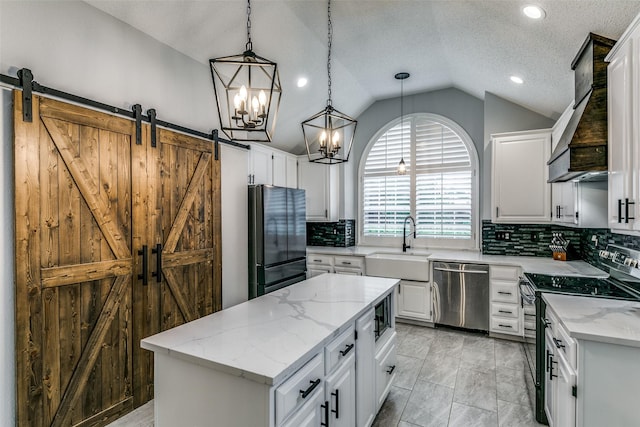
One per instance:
[(74, 47), (7, 346), (235, 273)]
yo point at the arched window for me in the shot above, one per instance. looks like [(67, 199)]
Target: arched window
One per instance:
[(439, 190)]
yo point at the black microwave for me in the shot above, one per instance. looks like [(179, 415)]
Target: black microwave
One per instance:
[(382, 317)]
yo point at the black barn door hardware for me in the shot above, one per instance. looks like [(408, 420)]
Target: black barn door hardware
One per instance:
[(144, 252), (158, 253)]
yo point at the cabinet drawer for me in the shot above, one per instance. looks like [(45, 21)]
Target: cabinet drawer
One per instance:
[(317, 259), (504, 310), (349, 261), (502, 292), (504, 272), (504, 325), (300, 388), (338, 349), (348, 270)]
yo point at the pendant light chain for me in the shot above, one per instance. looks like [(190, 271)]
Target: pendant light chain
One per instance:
[(330, 37), (249, 44)]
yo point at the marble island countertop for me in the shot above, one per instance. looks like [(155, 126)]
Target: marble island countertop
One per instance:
[(266, 339), (598, 319), (529, 264)]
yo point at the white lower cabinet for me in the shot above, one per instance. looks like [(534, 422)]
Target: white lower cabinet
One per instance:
[(507, 316), (340, 394), (565, 414), (550, 370), (414, 300), (385, 369), (292, 395), (365, 374)]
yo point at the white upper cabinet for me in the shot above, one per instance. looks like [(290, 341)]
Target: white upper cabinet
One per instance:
[(519, 189), (623, 75), (272, 167), (322, 185)]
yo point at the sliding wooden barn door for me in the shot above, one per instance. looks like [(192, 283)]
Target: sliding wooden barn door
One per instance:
[(183, 225), (73, 205)]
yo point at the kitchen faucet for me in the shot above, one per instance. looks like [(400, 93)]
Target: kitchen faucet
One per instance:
[(404, 232)]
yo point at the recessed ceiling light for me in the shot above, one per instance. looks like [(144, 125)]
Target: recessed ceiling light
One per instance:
[(534, 12), (517, 80), (302, 82)]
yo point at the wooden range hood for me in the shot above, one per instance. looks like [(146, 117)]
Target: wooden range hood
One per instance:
[(582, 148)]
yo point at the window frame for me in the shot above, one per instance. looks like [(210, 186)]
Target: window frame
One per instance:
[(423, 242)]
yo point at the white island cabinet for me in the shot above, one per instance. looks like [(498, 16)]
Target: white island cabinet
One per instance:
[(294, 357)]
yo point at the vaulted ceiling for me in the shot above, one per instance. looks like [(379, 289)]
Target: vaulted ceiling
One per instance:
[(474, 45)]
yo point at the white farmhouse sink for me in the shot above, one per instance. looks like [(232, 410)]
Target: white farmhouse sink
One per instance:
[(398, 265)]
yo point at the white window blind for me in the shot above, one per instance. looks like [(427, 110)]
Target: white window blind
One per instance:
[(437, 189)]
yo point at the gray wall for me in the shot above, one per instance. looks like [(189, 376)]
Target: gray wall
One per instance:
[(501, 115), (454, 104)]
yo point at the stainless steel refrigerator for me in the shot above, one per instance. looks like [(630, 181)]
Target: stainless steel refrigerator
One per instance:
[(277, 238)]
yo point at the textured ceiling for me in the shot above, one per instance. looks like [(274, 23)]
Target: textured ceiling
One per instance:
[(473, 45)]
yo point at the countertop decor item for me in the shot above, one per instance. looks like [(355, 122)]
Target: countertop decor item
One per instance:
[(248, 90), (329, 133)]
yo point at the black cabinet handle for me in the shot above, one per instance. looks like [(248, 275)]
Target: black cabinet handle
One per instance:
[(547, 360), (391, 369), (346, 350), (505, 326), (336, 394), (505, 311), (310, 389), (558, 343), (158, 252), (626, 210), (504, 293), (144, 252), (551, 362), (326, 414), (546, 322), (619, 211)]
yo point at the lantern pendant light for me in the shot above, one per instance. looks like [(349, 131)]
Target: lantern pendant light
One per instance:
[(247, 89), (402, 168), (329, 134)]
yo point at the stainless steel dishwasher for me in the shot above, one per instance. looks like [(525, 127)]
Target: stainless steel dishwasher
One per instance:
[(461, 295)]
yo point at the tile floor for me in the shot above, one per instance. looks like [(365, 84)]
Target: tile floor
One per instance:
[(445, 378), (453, 378)]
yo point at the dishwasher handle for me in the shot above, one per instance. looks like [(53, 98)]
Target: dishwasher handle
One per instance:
[(454, 270)]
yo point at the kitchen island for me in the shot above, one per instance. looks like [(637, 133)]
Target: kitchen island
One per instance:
[(262, 362)]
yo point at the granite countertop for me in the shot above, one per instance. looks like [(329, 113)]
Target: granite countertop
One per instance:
[(598, 319), (529, 264), (268, 338)]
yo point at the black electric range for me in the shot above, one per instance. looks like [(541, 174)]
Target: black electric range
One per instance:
[(623, 283)]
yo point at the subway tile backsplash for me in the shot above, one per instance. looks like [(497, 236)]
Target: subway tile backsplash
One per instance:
[(337, 234), (533, 240)]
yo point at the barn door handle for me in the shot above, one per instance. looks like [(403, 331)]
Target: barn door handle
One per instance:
[(158, 252), (144, 252)]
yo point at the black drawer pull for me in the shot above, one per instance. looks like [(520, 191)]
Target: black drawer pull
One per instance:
[(317, 260), (558, 343), (505, 311), (505, 326), (336, 394), (551, 362), (346, 350), (346, 262), (619, 211), (546, 322), (504, 293), (326, 414), (309, 390), (529, 329), (391, 369)]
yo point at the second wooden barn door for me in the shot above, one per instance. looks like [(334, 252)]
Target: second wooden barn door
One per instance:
[(183, 229)]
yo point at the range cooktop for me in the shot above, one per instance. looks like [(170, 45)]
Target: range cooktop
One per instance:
[(588, 286)]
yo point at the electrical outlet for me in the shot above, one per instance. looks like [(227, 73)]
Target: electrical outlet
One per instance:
[(503, 235), (535, 237)]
